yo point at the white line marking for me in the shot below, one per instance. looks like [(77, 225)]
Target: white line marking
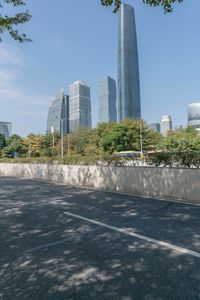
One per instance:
[(139, 236)]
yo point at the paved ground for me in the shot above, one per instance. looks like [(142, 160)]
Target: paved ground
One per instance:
[(67, 243)]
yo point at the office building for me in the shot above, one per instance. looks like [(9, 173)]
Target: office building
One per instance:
[(58, 114), (79, 106), (194, 115), (166, 124), (6, 129), (155, 126), (128, 95), (107, 100)]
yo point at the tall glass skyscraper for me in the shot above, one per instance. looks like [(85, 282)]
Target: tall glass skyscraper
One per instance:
[(107, 100), (5, 128), (58, 114), (128, 98), (194, 115), (155, 126), (79, 106), (166, 124)]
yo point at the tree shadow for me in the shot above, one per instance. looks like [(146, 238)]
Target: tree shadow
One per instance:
[(46, 254)]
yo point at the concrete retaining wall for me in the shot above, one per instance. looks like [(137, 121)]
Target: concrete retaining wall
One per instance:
[(183, 184)]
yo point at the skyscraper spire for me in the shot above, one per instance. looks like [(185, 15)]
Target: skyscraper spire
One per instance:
[(128, 98)]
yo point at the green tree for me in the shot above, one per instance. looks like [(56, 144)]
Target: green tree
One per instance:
[(34, 144), (166, 4), (182, 140), (49, 145), (78, 141), (116, 139), (8, 23), (128, 136), (2, 141), (15, 145), (138, 130), (93, 145), (180, 148)]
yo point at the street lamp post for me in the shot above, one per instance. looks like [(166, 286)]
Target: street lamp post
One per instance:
[(141, 142), (68, 146), (29, 148), (62, 139), (52, 131)]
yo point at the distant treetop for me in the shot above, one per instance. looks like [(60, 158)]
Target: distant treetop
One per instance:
[(166, 4), (8, 23)]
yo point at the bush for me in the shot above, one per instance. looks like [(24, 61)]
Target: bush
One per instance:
[(50, 152), (160, 159), (174, 159), (157, 159)]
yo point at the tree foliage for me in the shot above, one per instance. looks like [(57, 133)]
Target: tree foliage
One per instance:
[(2, 141), (116, 140), (14, 146), (8, 23), (127, 136), (184, 140), (166, 4), (180, 148), (41, 145)]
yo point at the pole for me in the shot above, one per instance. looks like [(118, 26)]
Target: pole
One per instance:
[(68, 144), (52, 131), (29, 148), (141, 148), (62, 138)]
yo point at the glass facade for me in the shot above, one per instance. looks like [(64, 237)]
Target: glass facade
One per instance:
[(155, 126), (5, 128), (58, 114), (194, 115), (128, 98), (166, 124), (107, 100), (79, 106)]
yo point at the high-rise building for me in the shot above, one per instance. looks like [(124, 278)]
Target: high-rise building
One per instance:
[(166, 124), (155, 126), (128, 96), (58, 114), (107, 100), (5, 128), (194, 115), (79, 106)]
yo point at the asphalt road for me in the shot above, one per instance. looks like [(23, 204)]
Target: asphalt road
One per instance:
[(58, 242)]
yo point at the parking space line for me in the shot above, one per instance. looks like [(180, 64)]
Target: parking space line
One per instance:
[(160, 243)]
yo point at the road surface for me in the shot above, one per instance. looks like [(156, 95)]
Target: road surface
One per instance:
[(58, 242)]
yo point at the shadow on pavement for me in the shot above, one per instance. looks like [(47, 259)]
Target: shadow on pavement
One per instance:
[(46, 254)]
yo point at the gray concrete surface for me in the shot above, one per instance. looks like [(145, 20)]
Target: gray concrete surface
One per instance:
[(183, 184), (47, 252)]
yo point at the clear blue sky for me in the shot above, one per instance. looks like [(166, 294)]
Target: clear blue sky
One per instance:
[(77, 40)]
